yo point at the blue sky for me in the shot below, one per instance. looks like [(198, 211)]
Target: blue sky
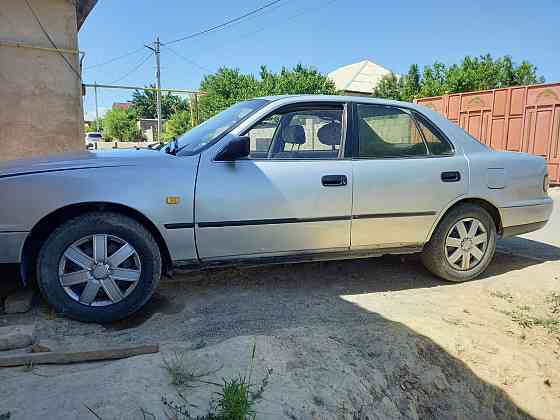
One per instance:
[(324, 33)]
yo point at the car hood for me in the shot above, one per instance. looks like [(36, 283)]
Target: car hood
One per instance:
[(81, 160)]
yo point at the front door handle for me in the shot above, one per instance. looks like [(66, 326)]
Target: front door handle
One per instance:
[(334, 180), (451, 176)]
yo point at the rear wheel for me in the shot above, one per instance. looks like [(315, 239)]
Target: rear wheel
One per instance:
[(463, 244), (99, 267)]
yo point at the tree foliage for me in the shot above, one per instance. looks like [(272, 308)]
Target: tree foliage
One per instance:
[(92, 127), (120, 124), (228, 86), (177, 124), (144, 104), (472, 74)]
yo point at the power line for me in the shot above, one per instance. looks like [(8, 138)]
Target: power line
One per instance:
[(217, 27), (291, 18), (135, 68), (188, 60), (120, 57), (223, 25), (45, 32)]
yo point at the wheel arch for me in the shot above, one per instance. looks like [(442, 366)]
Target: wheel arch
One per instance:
[(481, 202), (44, 227)]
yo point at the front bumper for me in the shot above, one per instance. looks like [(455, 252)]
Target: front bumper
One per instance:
[(525, 218), (11, 245)]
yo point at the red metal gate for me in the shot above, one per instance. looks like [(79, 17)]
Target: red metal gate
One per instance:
[(521, 118)]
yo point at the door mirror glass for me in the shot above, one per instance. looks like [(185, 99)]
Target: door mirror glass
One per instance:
[(237, 148)]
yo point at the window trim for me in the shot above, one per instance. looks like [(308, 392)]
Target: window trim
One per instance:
[(310, 106), (419, 118), (416, 116)]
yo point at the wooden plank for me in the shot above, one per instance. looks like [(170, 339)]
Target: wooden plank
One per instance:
[(60, 358)]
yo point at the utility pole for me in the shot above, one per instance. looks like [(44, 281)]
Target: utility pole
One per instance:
[(96, 109), (156, 49), (194, 109)]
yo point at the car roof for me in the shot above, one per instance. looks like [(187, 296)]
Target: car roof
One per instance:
[(337, 98)]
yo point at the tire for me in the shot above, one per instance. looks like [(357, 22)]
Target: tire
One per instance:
[(136, 277), (437, 256)]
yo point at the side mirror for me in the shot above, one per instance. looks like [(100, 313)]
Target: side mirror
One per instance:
[(237, 148)]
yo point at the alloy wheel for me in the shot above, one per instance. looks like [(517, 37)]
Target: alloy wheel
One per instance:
[(99, 270), (466, 244)]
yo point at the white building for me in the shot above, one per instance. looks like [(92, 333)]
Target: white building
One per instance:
[(359, 78)]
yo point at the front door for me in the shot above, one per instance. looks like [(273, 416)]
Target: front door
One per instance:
[(405, 173), (292, 195)]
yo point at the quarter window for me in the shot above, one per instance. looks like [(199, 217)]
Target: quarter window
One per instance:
[(387, 132), (302, 134), (436, 144)]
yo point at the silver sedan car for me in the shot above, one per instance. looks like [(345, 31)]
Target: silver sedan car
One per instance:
[(268, 180)]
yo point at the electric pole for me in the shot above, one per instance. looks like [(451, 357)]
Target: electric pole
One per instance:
[(156, 50), (96, 109)]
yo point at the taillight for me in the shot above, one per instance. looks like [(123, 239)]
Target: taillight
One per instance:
[(546, 183)]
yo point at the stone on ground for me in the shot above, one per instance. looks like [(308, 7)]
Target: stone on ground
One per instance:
[(16, 336), (18, 302)]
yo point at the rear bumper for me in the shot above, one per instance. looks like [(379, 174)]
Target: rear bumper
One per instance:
[(517, 220), (11, 245)]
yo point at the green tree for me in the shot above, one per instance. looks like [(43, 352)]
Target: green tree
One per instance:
[(433, 80), (223, 89), (389, 87), (177, 124), (471, 74), (299, 80), (144, 104), (228, 86), (526, 74), (92, 127), (120, 124), (411, 84)]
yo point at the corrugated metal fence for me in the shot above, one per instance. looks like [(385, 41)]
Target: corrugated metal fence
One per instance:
[(521, 118)]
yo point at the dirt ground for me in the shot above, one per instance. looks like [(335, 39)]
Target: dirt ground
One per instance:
[(378, 338)]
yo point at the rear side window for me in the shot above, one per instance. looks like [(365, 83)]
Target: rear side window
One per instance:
[(436, 144), (388, 132)]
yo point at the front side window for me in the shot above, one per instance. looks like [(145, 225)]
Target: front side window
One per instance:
[(388, 132), (302, 134)]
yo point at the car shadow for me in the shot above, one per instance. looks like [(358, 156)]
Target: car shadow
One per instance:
[(306, 306), (529, 248), (401, 372), (10, 279)]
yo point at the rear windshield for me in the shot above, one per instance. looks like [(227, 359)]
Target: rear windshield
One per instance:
[(94, 135)]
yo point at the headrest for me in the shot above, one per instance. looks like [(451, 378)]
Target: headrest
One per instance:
[(294, 134), (329, 134)]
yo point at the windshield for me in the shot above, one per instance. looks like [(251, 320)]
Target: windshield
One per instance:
[(198, 137), (94, 135)]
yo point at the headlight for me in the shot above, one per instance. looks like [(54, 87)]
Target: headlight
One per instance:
[(546, 183)]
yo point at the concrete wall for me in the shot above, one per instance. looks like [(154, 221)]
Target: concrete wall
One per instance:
[(40, 96)]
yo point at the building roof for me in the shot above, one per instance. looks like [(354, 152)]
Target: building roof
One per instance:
[(121, 105), (359, 77), (84, 7)]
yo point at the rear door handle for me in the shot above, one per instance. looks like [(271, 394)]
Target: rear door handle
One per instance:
[(334, 180), (452, 176)]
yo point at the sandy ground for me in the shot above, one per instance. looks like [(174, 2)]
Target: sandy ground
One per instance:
[(378, 339)]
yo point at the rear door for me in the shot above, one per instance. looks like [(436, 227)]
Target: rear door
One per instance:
[(292, 195), (405, 173)]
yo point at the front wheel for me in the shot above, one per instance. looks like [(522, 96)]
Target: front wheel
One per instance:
[(463, 244), (99, 267)]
